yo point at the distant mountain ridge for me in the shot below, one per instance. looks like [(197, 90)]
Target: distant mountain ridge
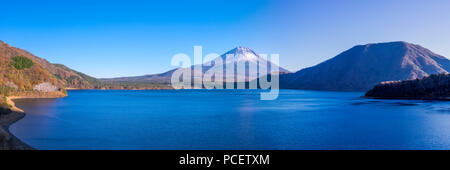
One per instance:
[(363, 66), (357, 69), (241, 55)]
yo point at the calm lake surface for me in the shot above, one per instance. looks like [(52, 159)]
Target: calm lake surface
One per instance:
[(231, 119)]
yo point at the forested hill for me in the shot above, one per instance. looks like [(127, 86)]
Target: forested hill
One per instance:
[(24, 74), (431, 87)]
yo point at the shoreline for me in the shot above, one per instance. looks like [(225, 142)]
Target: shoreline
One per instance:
[(31, 97), (409, 98), (8, 117)]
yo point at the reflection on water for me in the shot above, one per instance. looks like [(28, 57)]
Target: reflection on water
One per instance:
[(231, 119)]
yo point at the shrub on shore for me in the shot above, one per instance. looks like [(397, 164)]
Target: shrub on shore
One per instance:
[(5, 90), (3, 103)]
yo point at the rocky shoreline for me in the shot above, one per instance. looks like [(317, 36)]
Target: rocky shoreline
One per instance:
[(11, 114), (7, 140)]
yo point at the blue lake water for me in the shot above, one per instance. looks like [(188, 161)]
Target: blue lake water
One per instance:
[(231, 119)]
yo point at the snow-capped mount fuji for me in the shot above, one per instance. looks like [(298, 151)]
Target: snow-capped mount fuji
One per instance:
[(237, 56), (244, 57), (243, 54)]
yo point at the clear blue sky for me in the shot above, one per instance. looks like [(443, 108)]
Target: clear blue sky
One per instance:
[(126, 38)]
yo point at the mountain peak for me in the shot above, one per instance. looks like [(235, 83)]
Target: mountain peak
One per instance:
[(363, 66), (393, 44), (245, 54), (241, 53), (390, 43), (241, 50), (409, 50)]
